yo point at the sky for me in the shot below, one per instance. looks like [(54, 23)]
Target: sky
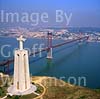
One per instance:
[(85, 13)]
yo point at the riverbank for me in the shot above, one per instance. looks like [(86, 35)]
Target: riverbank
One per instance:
[(53, 88)]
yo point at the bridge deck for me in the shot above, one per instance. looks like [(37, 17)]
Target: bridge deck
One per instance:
[(9, 61)]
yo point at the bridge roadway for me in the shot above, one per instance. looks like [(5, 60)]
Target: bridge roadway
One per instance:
[(9, 61)]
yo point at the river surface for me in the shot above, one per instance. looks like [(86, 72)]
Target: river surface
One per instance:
[(69, 61)]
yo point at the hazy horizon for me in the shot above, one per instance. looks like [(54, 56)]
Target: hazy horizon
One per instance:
[(85, 13)]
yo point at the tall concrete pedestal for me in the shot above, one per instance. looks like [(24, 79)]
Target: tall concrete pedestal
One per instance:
[(21, 84)]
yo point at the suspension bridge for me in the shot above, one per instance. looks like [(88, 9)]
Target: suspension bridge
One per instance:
[(49, 49)]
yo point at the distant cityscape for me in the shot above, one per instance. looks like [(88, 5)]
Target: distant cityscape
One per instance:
[(58, 33)]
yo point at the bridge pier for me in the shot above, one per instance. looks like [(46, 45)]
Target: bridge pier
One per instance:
[(49, 54), (49, 51)]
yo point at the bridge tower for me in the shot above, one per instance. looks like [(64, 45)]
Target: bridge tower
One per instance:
[(8, 65), (49, 46), (81, 40)]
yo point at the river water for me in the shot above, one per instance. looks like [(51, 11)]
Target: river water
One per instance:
[(69, 61)]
